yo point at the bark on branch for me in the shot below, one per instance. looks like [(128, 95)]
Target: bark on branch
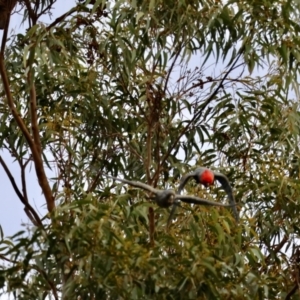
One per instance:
[(33, 144)]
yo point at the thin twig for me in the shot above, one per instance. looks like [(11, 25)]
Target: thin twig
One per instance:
[(28, 207), (23, 180), (277, 248), (170, 69), (23, 168), (51, 284), (31, 13), (62, 17), (6, 259), (94, 183), (198, 114), (45, 9), (4, 37), (30, 216), (42, 272), (291, 292)]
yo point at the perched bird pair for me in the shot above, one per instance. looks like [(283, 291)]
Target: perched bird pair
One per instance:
[(166, 198)]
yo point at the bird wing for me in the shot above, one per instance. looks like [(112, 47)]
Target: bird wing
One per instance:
[(184, 179), (196, 200), (228, 189), (136, 184)]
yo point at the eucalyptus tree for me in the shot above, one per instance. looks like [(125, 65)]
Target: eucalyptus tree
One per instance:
[(149, 90)]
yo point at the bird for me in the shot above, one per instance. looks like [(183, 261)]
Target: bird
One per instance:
[(6, 6), (207, 177), (166, 198)]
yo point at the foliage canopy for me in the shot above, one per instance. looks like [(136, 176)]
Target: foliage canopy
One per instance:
[(148, 90)]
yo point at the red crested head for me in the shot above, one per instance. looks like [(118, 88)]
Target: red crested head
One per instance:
[(207, 177)]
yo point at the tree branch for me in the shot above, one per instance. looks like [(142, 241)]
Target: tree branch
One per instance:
[(198, 114), (4, 37), (51, 284), (151, 226), (171, 68), (62, 17), (37, 154), (32, 15), (277, 248), (33, 110), (291, 292), (38, 162), (28, 208), (23, 179), (42, 272)]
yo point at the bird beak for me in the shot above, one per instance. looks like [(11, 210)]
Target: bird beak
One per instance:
[(208, 185)]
